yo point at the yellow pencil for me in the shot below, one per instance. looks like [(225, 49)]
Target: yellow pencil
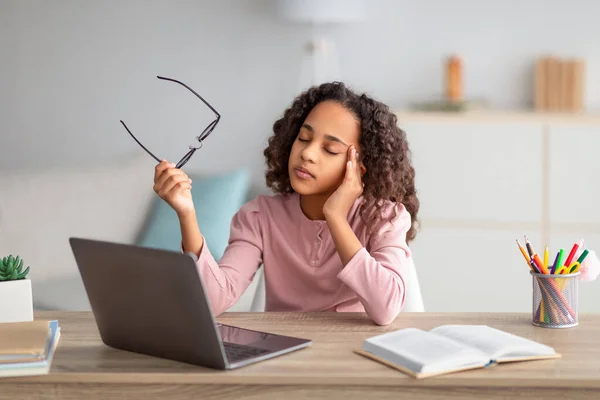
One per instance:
[(546, 257)]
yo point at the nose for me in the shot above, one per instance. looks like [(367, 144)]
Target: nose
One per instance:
[(309, 153)]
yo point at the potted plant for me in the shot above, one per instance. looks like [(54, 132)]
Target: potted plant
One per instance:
[(16, 300)]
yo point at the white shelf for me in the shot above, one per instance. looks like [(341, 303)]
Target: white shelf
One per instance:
[(496, 116), (485, 178), (469, 161)]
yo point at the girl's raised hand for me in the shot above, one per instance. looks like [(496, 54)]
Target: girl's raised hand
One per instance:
[(340, 202), (173, 186)]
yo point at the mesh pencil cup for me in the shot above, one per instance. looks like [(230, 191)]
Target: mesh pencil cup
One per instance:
[(555, 299)]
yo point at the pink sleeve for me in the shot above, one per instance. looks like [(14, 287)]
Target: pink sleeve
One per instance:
[(227, 280), (377, 275)]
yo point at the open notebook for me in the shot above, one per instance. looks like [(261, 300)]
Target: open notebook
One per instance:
[(451, 348)]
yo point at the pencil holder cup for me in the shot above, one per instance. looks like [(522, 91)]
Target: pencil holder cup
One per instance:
[(555, 299)]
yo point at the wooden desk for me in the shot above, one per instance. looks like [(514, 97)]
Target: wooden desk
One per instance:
[(84, 368)]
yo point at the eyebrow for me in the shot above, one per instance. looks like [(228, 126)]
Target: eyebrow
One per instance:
[(327, 137)]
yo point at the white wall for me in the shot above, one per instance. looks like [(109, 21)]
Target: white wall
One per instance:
[(71, 69)]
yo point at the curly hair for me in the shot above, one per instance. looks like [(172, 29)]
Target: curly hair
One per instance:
[(384, 152)]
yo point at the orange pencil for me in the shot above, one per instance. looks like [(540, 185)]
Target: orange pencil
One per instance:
[(540, 264)]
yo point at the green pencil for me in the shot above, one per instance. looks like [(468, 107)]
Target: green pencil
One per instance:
[(582, 256), (559, 261)]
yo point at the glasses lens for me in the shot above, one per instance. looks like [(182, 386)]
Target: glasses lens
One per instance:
[(207, 131), (185, 158)]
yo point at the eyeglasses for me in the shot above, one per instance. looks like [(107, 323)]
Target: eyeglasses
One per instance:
[(193, 147)]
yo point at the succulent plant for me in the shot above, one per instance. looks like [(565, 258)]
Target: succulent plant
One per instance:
[(11, 269)]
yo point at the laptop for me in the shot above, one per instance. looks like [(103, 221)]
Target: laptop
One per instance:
[(154, 302)]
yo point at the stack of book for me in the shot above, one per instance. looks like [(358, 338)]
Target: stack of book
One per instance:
[(559, 84), (27, 348)]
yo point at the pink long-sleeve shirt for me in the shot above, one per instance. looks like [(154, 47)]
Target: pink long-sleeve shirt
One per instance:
[(302, 269)]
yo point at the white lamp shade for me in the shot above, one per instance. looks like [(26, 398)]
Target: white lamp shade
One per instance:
[(321, 11)]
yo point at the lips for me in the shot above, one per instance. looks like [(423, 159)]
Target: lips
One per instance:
[(303, 172)]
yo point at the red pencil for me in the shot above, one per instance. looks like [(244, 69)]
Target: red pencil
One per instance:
[(571, 255)]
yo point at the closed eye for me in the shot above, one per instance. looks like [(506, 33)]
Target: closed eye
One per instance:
[(307, 140)]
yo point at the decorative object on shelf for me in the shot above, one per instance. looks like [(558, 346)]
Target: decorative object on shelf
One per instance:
[(441, 106), (559, 84), (453, 99), (454, 79), (320, 61), (15, 291)]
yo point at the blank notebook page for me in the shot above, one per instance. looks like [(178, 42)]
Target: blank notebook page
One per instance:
[(426, 348), (495, 343)]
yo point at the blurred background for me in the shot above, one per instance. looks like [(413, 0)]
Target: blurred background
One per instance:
[(496, 163)]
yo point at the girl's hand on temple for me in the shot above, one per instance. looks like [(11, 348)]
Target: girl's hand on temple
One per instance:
[(340, 202), (174, 186)]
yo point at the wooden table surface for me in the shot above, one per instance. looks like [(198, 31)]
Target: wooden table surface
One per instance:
[(84, 367)]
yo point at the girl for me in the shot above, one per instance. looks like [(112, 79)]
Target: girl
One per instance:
[(334, 236)]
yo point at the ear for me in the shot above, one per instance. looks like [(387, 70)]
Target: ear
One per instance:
[(363, 169)]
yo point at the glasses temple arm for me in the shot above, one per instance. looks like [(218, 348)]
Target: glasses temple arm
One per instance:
[(192, 90), (138, 142)]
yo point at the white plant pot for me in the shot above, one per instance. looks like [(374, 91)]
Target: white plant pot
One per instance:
[(16, 301)]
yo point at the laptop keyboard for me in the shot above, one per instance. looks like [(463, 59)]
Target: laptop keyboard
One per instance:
[(237, 352)]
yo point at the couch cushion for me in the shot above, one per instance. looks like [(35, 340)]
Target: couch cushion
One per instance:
[(216, 198)]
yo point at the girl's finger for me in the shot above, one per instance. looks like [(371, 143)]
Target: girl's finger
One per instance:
[(350, 153), (348, 176), (183, 186), (168, 173), (357, 166), (172, 182), (158, 170)]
